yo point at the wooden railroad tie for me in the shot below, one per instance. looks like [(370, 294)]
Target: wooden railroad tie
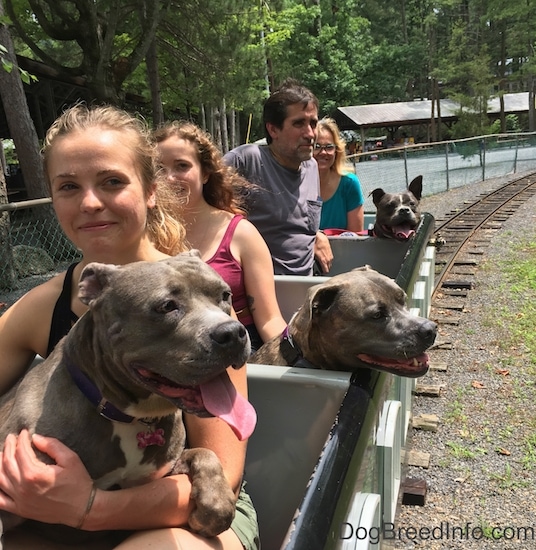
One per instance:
[(428, 390), (426, 422), (438, 366), (419, 459), (447, 303), (447, 318), (414, 491), (458, 284), (459, 292)]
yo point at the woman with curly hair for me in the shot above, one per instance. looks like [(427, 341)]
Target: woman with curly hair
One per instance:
[(216, 225)]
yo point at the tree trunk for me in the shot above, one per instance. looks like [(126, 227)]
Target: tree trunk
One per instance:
[(502, 78), (432, 117), (24, 135), (8, 277), (231, 122), (532, 109), (210, 121), (217, 128), (19, 121), (224, 129), (154, 84), (438, 99)]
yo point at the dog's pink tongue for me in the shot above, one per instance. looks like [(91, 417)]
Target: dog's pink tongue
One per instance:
[(403, 231), (222, 400)]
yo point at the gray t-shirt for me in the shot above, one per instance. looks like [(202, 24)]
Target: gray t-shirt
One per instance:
[(283, 204)]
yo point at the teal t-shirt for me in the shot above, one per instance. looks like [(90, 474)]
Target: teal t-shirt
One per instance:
[(347, 197)]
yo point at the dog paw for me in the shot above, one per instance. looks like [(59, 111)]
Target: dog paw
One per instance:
[(214, 500)]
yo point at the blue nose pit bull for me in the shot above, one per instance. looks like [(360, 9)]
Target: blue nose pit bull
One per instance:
[(354, 320), (397, 214), (157, 339)]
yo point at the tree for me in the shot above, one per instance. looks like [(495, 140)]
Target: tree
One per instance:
[(106, 40), (464, 65), (323, 47), (7, 273), (20, 123)]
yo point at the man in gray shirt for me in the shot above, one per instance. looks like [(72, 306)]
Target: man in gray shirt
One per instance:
[(284, 201)]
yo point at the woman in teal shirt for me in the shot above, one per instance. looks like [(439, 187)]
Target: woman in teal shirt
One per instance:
[(341, 193)]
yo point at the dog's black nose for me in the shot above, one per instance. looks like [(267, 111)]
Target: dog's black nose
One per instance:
[(229, 334), (428, 332)]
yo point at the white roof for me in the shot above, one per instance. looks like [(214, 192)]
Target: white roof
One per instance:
[(419, 111)]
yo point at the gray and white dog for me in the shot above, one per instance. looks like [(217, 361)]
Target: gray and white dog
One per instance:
[(354, 320), (157, 339), (397, 214)]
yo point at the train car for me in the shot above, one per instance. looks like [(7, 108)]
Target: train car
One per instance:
[(324, 464)]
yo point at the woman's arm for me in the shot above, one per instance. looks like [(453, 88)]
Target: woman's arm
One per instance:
[(24, 330), (58, 493), (250, 249), (355, 219)]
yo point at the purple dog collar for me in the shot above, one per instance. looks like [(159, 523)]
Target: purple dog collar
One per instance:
[(93, 394), (150, 436)]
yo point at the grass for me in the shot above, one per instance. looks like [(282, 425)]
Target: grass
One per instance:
[(461, 451), (455, 412), (529, 456), (520, 272), (509, 479), (518, 315), (515, 318)]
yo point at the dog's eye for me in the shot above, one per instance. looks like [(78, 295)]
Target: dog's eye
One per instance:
[(226, 296), (380, 313), (167, 306)]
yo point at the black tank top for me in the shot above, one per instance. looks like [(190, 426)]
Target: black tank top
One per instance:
[(63, 318)]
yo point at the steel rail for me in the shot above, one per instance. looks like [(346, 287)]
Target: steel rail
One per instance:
[(475, 216)]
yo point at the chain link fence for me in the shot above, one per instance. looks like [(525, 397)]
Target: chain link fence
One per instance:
[(444, 165), (32, 243)]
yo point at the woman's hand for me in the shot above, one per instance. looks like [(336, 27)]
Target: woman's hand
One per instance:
[(51, 493)]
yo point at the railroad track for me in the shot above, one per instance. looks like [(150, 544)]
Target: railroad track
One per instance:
[(462, 237)]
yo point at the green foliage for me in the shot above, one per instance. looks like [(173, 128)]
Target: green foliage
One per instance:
[(347, 52), (512, 125), (7, 66), (327, 52)]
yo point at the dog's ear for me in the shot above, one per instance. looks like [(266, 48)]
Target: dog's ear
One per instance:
[(322, 299), (93, 279), (363, 268), (416, 187), (377, 195)]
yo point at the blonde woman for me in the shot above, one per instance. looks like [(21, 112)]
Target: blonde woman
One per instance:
[(342, 206)]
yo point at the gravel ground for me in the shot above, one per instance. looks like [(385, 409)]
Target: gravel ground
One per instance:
[(482, 473)]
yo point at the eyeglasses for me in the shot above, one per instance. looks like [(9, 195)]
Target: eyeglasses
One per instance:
[(328, 147)]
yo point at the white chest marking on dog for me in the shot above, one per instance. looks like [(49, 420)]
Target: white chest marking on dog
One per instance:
[(134, 472)]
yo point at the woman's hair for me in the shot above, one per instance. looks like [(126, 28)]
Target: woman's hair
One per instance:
[(164, 227), (329, 125), (224, 185)]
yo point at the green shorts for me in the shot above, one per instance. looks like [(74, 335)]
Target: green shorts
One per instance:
[(245, 522)]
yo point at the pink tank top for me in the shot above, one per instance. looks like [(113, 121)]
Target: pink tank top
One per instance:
[(225, 264)]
